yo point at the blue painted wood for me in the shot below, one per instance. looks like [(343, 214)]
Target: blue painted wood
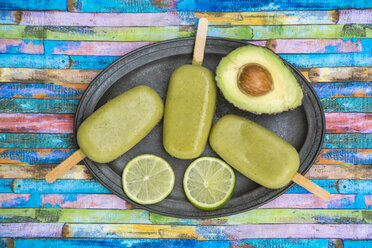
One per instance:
[(29, 140), (35, 61), (7, 17), (341, 140), (357, 243), (68, 106), (324, 90), (33, 4), (6, 185), (33, 156), (56, 156), (27, 105), (101, 62), (90, 62), (345, 186), (355, 104), (149, 243), (328, 60), (29, 90), (31, 186), (206, 5)]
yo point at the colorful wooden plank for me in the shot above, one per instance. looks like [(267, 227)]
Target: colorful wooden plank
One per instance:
[(21, 46), (24, 140), (35, 61), (205, 5), (340, 74), (9, 140), (350, 89), (318, 171), (33, 5), (349, 122), (34, 156), (37, 156), (357, 104), (76, 90), (347, 231), (262, 216), (110, 201), (10, 17), (29, 105), (310, 201), (27, 186), (288, 46), (345, 186), (340, 172), (47, 230), (31, 75), (40, 171), (256, 216), (11, 215), (154, 243), (344, 156), (100, 62), (63, 123), (68, 106), (92, 48), (36, 123), (42, 91), (61, 18), (169, 32)]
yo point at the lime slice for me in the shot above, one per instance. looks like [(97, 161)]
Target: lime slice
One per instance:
[(147, 179), (209, 183)]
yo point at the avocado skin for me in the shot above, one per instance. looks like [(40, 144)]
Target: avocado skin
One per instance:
[(286, 95)]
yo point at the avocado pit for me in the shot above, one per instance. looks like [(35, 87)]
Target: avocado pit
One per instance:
[(255, 80)]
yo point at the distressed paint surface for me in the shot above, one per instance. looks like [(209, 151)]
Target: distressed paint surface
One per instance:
[(68, 76), (59, 18), (27, 186), (51, 50)]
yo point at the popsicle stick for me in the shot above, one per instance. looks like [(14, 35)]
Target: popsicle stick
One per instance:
[(312, 187), (201, 36), (63, 167)]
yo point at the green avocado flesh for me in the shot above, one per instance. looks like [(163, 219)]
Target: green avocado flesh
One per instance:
[(286, 94), (254, 151), (120, 124)]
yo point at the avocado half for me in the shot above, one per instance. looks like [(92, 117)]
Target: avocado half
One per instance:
[(255, 79)]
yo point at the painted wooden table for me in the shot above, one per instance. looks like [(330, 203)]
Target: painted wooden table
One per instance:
[(51, 50)]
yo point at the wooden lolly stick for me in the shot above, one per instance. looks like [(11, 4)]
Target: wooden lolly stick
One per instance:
[(201, 36), (312, 187), (63, 167)]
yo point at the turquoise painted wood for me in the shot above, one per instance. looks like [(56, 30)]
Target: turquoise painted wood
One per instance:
[(25, 140), (28, 186)]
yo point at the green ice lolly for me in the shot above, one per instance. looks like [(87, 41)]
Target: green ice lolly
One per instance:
[(120, 124), (189, 111), (254, 151)]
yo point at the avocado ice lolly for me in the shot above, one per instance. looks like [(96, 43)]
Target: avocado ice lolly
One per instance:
[(190, 104), (189, 111), (120, 124), (254, 151)]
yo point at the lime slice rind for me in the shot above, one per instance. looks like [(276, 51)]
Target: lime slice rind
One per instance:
[(147, 179), (209, 183)]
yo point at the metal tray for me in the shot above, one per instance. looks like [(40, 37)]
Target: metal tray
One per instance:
[(152, 65)]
